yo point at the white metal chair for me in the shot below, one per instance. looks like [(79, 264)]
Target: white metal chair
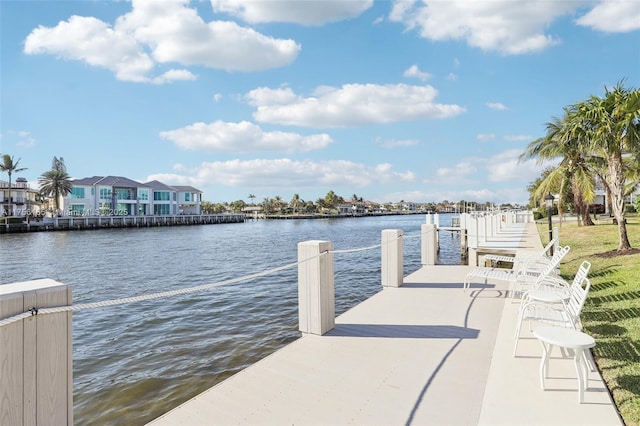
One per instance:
[(555, 287), (543, 255), (528, 274), (559, 313)]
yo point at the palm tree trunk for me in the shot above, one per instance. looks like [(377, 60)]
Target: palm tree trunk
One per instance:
[(10, 205), (582, 209), (617, 199), (57, 202)]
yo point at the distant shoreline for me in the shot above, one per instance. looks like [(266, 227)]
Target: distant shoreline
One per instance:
[(330, 216), (79, 223)]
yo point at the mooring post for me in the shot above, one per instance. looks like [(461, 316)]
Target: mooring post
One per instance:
[(36, 374), (429, 249), (316, 294), (392, 258)]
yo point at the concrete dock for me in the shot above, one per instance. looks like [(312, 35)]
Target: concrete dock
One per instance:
[(426, 353)]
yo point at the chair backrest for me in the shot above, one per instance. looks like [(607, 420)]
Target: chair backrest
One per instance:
[(545, 250), (553, 264), (556, 258), (583, 271), (579, 293)]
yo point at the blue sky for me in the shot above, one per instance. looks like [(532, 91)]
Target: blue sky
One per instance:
[(389, 100)]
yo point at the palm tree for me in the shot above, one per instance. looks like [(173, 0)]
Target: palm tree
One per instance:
[(565, 139), (56, 182), (331, 199), (252, 197), (295, 202), (278, 203), (10, 166), (614, 132)]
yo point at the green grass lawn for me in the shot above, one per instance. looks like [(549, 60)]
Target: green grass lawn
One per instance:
[(612, 311)]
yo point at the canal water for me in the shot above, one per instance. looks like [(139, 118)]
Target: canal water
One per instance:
[(132, 363)]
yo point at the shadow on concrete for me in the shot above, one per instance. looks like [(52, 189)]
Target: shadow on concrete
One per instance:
[(404, 331), (446, 285)]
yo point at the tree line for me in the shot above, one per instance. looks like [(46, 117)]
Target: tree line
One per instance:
[(331, 202)]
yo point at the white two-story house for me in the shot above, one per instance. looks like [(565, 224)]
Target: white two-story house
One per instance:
[(120, 196)]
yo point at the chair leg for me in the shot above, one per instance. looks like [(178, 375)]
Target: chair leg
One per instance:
[(518, 327)]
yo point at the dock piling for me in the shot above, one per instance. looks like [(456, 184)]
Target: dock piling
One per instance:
[(392, 258), (316, 293)]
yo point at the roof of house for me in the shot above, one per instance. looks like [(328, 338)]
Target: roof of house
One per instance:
[(156, 184), (108, 181), (87, 181), (120, 181), (183, 188)]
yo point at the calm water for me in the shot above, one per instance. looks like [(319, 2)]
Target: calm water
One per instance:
[(134, 362)]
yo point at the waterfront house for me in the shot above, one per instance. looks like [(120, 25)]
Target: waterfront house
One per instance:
[(21, 200), (121, 196), (189, 199)]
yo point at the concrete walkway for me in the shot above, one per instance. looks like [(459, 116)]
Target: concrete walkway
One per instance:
[(427, 353)]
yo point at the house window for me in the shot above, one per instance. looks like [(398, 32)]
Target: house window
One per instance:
[(77, 192), (161, 196), (105, 193), (143, 194), (123, 194), (161, 209), (76, 209), (187, 196), (104, 209)]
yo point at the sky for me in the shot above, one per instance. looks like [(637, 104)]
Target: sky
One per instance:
[(412, 100)]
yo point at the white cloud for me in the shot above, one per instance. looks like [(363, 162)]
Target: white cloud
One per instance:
[(414, 71), (392, 143), (286, 173), (507, 26), (459, 171), (242, 137), (95, 43), (22, 138), (506, 167), (614, 16), (265, 96), (217, 97), (350, 105), (28, 142), (158, 33), (518, 138), (497, 106), (307, 12), (452, 77), (174, 75), (485, 136)]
